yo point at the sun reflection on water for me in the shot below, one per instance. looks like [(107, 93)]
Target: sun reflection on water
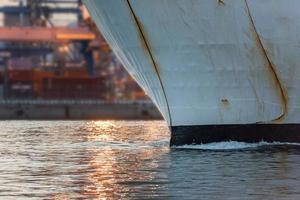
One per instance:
[(116, 172), (132, 160)]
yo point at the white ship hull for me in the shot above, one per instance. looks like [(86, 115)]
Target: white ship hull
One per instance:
[(216, 69)]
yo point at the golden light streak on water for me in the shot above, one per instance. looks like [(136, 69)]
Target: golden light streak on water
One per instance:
[(72, 160)]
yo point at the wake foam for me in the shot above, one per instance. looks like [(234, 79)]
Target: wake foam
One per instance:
[(232, 145)]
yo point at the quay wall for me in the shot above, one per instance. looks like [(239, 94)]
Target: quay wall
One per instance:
[(77, 110)]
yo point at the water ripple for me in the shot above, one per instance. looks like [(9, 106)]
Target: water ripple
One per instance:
[(133, 160)]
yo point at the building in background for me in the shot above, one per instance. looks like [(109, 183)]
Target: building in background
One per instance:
[(51, 49), (52, 55)]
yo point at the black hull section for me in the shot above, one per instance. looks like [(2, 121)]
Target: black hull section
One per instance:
[(250, 133)]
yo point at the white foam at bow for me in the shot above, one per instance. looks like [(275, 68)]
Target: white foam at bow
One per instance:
[(230, 145)]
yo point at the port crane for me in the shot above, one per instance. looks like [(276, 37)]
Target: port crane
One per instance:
[(30, 23)]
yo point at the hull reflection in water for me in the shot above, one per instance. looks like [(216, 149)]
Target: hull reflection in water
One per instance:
[(217, 70), (133, 160)]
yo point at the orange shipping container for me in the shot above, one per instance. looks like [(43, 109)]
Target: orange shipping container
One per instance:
[(76, 73), (20, 75), (38, 77)]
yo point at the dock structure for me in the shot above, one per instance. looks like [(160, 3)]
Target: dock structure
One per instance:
[(75, 110), (50, 69), (40, 34)]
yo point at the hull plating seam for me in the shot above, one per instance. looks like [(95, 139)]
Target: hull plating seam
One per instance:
[(271, 66), (148, 49)]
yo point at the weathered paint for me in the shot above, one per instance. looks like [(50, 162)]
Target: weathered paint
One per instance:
[(277, 22), (221, 2), (147, 48), (128, 47), (270, 65), (225, 103), (202, 53)]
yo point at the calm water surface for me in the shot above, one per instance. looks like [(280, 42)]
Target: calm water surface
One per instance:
[(132, 160)]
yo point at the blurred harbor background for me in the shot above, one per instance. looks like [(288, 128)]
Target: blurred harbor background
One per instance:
[(55, 68), (54, 64)]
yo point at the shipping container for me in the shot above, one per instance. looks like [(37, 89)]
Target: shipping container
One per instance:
[(1, 91), (73, 88), (20, 75), (20, 90), (38, 77), (1, 77), (20, 69), (20, 64), (76, 73)]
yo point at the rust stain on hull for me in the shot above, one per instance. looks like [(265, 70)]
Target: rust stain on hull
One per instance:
[(272, 69), (225, 103), (147, 48), (222, 2), (146, 44)]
